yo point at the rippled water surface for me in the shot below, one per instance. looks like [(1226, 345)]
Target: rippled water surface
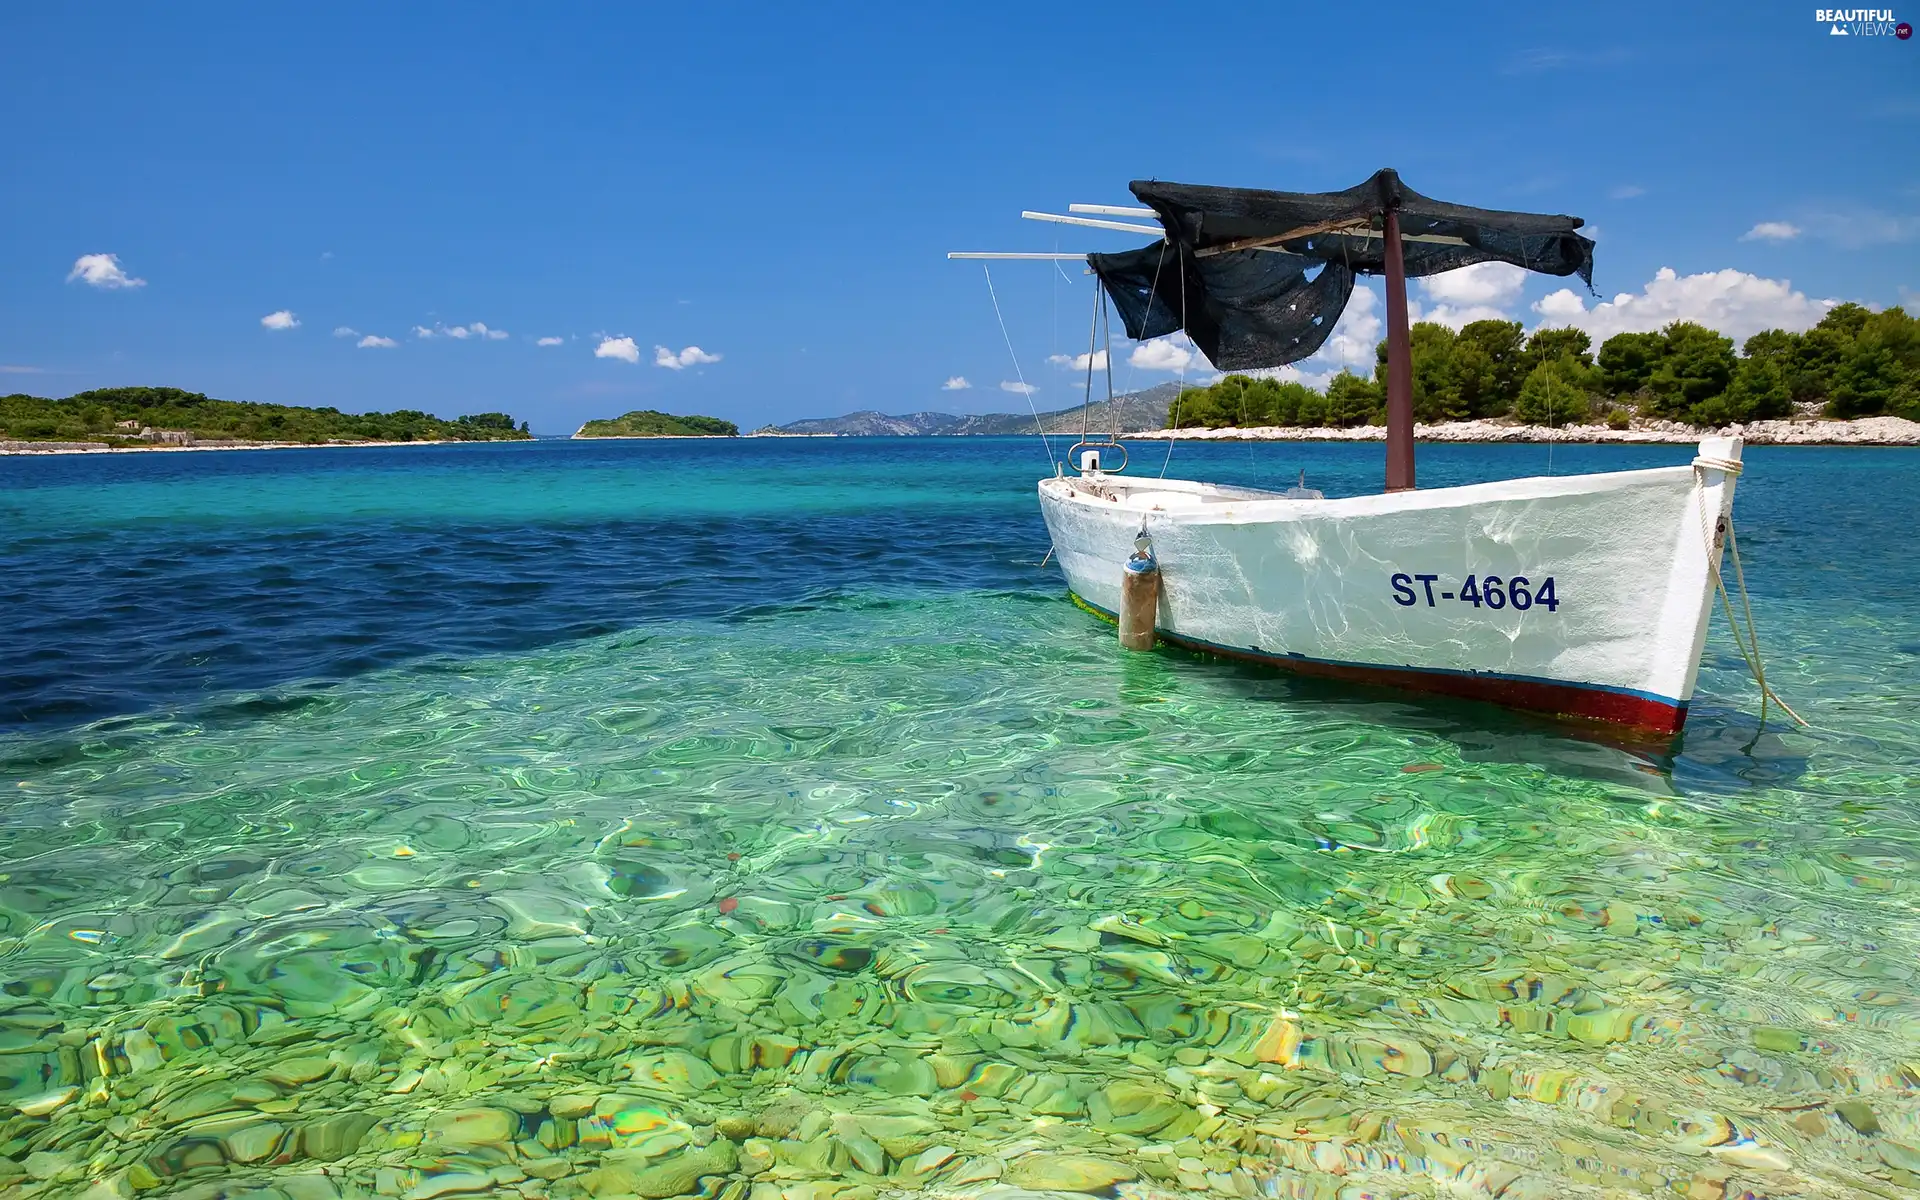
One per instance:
[(758, 820)]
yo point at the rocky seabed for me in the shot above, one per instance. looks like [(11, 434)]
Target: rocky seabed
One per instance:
[(771, 1053)]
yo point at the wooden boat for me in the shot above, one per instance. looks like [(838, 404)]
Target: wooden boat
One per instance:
[(1584, 596), (1577, 595)]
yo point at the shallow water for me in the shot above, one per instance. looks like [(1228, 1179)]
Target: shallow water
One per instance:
[(759, 819)]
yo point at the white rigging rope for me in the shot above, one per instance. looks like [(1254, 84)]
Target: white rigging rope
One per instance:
[(1173, 418), (1017, 373)]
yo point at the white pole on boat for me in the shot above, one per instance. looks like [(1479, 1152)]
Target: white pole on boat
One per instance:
[(1095, 223), (1016, 254), (1110, 210)]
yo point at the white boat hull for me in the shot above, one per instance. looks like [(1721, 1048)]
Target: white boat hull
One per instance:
[(1584, 596)]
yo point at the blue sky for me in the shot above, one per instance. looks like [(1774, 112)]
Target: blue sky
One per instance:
[(778, 185)]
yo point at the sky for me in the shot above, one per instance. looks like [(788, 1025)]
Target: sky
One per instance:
[(566, 212)]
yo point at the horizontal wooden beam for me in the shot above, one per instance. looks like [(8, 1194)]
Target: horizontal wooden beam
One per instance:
[(1343, 228), (1110, 210)]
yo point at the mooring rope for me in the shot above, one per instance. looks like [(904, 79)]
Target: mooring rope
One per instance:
[(1749, 642), (1017, 373), (1753, 659)]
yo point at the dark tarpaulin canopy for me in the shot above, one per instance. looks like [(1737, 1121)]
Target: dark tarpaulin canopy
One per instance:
[(1257, 279)]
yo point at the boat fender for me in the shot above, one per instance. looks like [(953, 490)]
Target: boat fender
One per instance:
[(1139, 595)]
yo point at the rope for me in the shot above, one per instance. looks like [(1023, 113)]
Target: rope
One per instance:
[(1106, 350), (1753, 659), (1749, 640), (1172, 426), (1549, 420), (1024, 389), (1153, 291), (1093, 343)]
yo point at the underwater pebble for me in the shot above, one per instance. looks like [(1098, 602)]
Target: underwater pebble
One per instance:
[(621, 1174), (46, 1102), (1068, 1173), (452, 1183), (47, 1164), (472, 1127), (1858, 1115), (1894, 1154), (1748, 1154)]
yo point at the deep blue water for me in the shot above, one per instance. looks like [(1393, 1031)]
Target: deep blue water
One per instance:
[(134, 582)]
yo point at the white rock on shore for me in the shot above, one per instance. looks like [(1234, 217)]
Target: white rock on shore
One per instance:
[(1867, 431)]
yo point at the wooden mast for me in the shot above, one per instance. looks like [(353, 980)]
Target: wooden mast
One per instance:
[(1399, 362)]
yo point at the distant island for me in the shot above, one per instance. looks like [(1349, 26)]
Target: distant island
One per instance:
[(1136, 410), (647, 422), (164, 418)]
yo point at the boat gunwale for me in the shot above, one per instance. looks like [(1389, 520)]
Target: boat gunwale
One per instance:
[(1060, 489)]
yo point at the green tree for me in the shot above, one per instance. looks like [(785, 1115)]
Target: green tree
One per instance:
[(1436, 394), (1548, 344), (492, 420), (1489, 365), (1696, 365), (1627, 361), (1776, 344), (1351, 400), (1759, 391), (1847, 320), (1879, 370), (1866, 381), (1559, 391)]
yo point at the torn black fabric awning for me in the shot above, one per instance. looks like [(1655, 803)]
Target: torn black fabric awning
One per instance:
[(1258, 278)]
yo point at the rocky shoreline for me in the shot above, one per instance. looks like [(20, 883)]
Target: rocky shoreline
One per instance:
[(1867, 431), (12, 447)]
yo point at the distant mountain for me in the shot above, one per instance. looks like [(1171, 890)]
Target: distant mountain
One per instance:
[(1138, 411)]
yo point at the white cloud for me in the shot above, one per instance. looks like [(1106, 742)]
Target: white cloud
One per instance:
[(1482, 283), (1163, 354), (1018, 389), (1080, 362), (102, 271), (550, 341), (345, 331), (623, 349), (1354, 335), (374, 341), (1627, 191), (1481, 292), (1771, 231), (1732, 302), (688, 357), (461, 333), (280, 320), (957, 383)]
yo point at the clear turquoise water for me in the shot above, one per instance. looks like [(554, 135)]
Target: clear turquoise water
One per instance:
[(760, 819)]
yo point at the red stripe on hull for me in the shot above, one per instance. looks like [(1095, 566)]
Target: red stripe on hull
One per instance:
[(1555, 699)]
